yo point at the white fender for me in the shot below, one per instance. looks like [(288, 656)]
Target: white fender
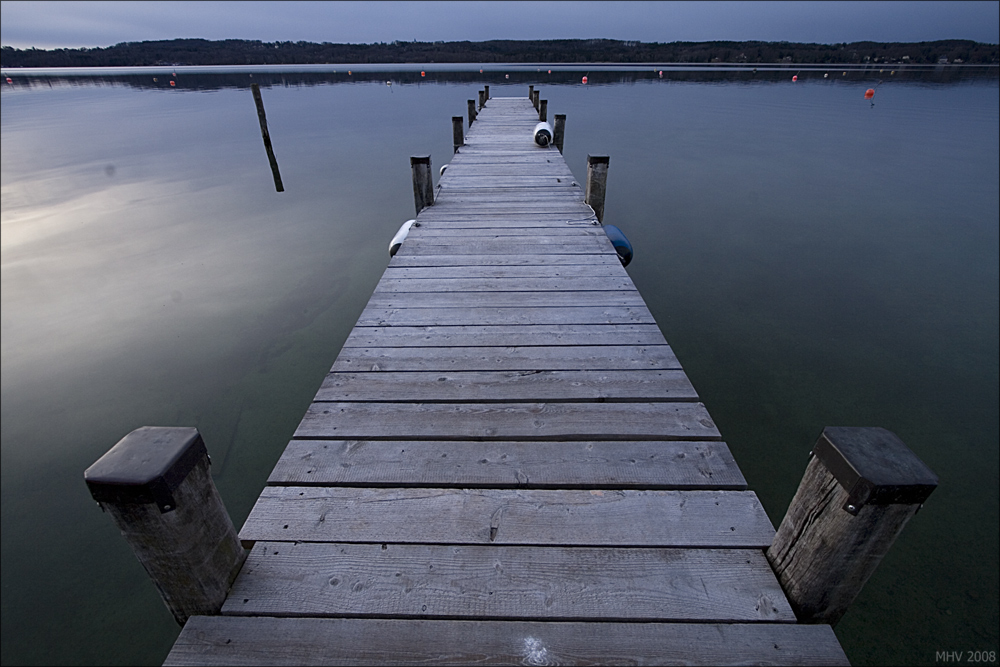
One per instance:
[(400, 236), (443, 167), (543, 134)]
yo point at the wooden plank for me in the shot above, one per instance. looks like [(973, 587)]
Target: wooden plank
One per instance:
[(453, 285), (438, 300), (508, 421), (377, 316), (571, 272), (531, 386), (465, 464), (499, 335), (484, 582), (505, 260), (242, 640), (540, 517), (454, 230), (509, 245), (530, 359)]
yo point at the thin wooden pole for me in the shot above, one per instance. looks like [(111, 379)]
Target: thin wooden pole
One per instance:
[(482, 99), (559, 131), (423, 182), (486, 93), (860, 488), (156, 486), (597, 180), (472, 112), (543, 111), (262, 117), (457, 137)]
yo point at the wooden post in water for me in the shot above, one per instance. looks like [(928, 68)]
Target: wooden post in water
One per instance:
[(259, 101), (472, 112), (534, 99), (457, 137), (482, 99), (157, 487), (486, 93), (531, 93), (597, 181), (860, 488), (559, 131), (543, 110), (423, 181)]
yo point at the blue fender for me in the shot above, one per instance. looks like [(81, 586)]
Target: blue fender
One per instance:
[(621, 244)]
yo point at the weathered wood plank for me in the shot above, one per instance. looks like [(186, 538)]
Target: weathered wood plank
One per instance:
[(452, 285), (508, 421), (376, 316), (463, 464), (504, 260), (439, 300), (241, 640), (529, 359), (533, 386), (571, 272), (510, 245), (542, 517), (484, 582), (499, 335), (455, 231)]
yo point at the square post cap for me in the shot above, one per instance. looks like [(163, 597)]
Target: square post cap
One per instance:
[(874, 466), (146, 466)]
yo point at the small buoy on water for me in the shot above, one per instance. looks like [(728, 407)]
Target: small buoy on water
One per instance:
[(870, 93), (661, 73), (348, 72), (423, 73), (826, 75), (892, 72), (585, 79), (845, 73), (10, 80), (506, 76), (795, 77), (173, 83), (480, 71), (550, 71)]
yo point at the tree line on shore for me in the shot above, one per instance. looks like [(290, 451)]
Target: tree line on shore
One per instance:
[(251, 52)]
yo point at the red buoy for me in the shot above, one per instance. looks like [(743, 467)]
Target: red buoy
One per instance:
[(795, 78), (661, 73), (423, 74), (10, 80), (585, 79), (173, 83), (550, 71), (506, 76), (870, 93)]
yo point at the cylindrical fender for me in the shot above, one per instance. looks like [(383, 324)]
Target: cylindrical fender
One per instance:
[(543, 134), (621, 244), (400, 236)]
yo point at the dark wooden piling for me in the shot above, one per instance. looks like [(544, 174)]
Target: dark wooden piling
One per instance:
[(259, 101), (472, 112), (482, 99), (860, 488), (559, 131), (543, 111), (486, 93), (457, 136), (156, 486), (534, 99), (531, 93), (597, 180), (423, 182)]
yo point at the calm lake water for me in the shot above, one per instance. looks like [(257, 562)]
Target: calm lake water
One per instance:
[(813, 259)]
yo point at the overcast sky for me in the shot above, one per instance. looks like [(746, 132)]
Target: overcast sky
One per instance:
[(75, 24)]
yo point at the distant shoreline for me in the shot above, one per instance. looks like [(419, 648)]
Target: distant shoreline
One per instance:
[(592, 52)]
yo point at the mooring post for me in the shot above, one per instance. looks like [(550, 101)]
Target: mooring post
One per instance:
[(861, 486), (457, 137), (534, 99), (482, 99), (423, 182), (472, 112), (531, 93), (262, 118), (543, 110), (597, 181), (559, 130), (486, 93), (157, 487)]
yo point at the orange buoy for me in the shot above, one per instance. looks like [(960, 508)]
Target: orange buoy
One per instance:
[(585, 79), (173, 83), (550, 71), (423, 73), (480, 71), (795, 78), (870, 93), (348, 72)]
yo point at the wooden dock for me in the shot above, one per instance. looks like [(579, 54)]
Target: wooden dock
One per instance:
[(506, 463)]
